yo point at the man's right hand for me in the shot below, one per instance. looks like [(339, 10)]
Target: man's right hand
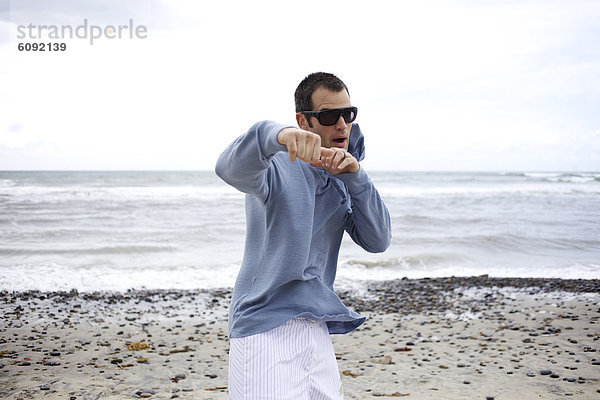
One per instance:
[(300, 144)]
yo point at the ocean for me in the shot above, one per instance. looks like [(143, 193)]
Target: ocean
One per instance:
[(113, 231)]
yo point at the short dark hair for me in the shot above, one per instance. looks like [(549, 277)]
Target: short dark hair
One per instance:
[(304, 91)]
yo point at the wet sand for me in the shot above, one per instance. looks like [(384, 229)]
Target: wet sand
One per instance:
[(448, 338)]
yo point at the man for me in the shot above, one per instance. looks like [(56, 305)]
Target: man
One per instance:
[(297, 207)]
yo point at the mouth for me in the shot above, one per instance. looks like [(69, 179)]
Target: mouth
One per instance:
[(339, 141)]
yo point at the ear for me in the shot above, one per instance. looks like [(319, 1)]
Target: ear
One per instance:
[(301, 120)]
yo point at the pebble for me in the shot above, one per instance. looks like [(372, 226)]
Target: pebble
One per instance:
[(545, 372), (542, 348), (383, 360)]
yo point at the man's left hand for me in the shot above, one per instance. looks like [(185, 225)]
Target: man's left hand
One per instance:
[(336, 161)]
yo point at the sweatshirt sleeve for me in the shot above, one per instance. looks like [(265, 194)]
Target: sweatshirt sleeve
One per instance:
[(244, 162), (369, 224)]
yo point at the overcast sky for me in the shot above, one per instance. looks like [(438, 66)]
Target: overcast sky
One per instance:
[(440, 85)]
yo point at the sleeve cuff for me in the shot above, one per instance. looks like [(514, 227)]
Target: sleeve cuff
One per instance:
[(356, 182), (271, 145)]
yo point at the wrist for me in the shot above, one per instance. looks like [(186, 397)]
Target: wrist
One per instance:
[(281, 136), (356, 182)]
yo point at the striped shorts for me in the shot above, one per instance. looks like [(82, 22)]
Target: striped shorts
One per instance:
[(292, 361)]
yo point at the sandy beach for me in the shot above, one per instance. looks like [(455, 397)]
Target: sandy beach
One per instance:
[(446, 338)]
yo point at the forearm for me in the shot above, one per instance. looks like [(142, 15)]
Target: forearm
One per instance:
[(369, 225), (244, 162)]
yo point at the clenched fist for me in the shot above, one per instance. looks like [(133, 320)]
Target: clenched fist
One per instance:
[(301, 144), (306, 146)]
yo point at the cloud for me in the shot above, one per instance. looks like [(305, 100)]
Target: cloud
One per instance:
[(447, 81), (15, 127), (100, 11), (17, 137)]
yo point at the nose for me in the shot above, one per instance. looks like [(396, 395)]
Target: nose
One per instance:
[(341, 124)]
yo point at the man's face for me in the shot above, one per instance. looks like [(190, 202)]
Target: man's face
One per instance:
[(331, 136)]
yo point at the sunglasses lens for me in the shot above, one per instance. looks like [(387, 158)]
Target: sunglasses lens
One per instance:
[(349, 114), (329, 117)]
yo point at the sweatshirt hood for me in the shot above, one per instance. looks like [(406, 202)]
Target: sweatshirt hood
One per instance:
[(356, 143)]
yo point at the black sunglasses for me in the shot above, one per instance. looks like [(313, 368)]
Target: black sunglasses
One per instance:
[(331, 117)]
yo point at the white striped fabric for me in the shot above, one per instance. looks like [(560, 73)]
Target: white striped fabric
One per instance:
[(293, 361)]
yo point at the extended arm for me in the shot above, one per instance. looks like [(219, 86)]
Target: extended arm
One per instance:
[(369, 224), (244, 162)]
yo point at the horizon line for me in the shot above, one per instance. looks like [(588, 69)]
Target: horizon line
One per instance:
[(370, 170)]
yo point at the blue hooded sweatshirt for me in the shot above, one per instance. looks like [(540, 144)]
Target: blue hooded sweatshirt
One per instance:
[(296, 215)]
